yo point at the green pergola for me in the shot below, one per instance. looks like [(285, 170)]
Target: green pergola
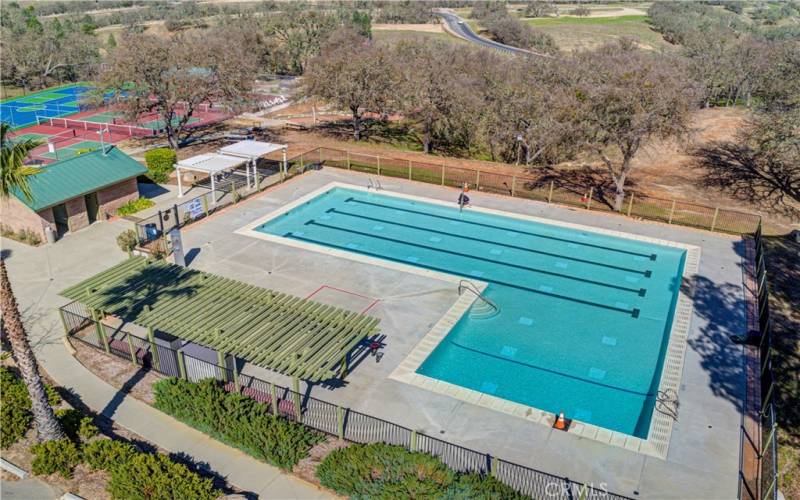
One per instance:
[(297, 337)]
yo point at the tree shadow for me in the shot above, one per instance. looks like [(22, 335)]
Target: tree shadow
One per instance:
[(122, 392), (578, 181), (721, 307), (374, 131)]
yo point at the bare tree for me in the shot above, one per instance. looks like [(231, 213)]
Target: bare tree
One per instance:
[(761, 166), (351, 73), (628, 97), (173, 77)]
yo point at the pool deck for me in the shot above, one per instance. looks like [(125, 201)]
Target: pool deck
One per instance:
[(703, 456)]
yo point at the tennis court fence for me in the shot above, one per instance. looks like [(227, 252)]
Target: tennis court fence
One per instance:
[(129, 130), (87, 327)]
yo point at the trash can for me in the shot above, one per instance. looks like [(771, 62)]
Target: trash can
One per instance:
[(50, 234)]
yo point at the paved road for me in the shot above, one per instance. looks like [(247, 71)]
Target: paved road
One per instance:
[(462, 29)]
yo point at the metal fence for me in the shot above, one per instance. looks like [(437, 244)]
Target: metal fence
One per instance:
[(768, 466), (88, 328)]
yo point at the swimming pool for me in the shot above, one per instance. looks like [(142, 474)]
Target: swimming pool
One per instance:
[(584, 318)]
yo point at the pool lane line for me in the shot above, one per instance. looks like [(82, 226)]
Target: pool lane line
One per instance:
[(549, 370), (650, 256), (639, 291), (646, 274), (633, 312)]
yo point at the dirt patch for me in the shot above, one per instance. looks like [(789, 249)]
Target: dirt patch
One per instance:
[(306, 468), (425, 28)]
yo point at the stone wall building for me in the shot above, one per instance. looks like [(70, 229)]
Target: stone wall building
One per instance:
[(72, 194)]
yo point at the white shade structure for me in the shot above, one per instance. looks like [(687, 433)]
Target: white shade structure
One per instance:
[(229, 158)]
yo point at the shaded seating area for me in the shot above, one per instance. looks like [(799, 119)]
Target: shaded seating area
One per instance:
[(296, 337)]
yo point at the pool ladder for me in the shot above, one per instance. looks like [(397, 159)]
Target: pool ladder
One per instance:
[(482, 308), (374, 185)]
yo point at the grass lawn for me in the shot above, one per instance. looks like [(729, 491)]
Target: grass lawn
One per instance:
[(783, 273), (589, 32)]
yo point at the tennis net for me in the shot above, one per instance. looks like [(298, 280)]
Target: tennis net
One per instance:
[(129, 130)]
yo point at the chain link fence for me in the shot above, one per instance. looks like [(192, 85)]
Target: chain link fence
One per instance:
[(88, 327)]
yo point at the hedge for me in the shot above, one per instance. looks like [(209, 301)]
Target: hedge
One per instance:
[(60, 456), (386, 471), (155, 477), (15, 410), (236, 420), (160, 163)]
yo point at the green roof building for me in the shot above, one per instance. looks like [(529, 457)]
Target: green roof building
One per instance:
[(72, 194)]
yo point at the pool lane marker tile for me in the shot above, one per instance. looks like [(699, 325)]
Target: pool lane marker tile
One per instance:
[(597, 373), (642, 292), (508, 351), (488, 387), (525, 321), (611, 341)]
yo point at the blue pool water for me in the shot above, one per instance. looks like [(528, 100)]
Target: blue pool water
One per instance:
[(584, 318)]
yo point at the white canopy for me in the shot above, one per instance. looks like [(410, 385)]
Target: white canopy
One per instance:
[(251, 149), (211, 163)]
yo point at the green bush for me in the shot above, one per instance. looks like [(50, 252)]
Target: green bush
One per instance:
[(483, 487), (76, 425), (107, 454), (384, 471), (236, 420), (55, 456), (133, 206), (156, 477), (160, 163), (15, 412), (127, 240)]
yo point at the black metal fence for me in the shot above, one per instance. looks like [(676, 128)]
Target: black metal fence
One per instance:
[(86, 327), (769, 428)]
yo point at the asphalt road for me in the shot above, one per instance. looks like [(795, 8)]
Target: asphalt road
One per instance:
[(462, 29)]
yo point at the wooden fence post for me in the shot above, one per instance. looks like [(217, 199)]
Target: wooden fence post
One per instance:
[(413, 444), (296, 397), (477, 179), (550, 194), (236, 384), (379, 164), (204, 201), (153, 349), (182, 365), (513, 186), (714, 220), (409, 169), (630, 204), (340, 422), (223, 368), (101, 331), (130, 347), (493, 466), (348, 159), (442, 173), (671, 211), (589, 200), (273, 398), (63, 322)]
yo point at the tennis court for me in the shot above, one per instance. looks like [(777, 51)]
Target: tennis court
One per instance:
[(159, 124), (54, 102), (104, 117)]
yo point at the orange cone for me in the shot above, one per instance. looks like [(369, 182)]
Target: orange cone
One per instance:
[(561, 422)]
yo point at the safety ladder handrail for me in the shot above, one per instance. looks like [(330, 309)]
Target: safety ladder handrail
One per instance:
[(471, 287)]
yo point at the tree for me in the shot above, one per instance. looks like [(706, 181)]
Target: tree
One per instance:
[(15, 178), (761, 166), (111, 42), (297, 36), (351, 73), (627, 97), (173, 77)]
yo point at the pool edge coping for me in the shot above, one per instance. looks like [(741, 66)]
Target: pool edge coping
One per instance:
[(660, 430)]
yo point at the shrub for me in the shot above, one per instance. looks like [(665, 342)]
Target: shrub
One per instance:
[(133, 206), (76, 425), (55, 456), (107, 454), (155, 477), (480, 486), (15, 412), (27, 236), (127, 240), (160, 163), (236, 420), (384, 471)]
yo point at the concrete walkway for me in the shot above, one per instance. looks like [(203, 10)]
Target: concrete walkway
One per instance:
[(37, 275)]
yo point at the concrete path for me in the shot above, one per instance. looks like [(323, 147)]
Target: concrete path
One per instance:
[(30, 488), (37, 275)]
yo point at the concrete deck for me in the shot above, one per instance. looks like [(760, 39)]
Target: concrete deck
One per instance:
[(703, 457)]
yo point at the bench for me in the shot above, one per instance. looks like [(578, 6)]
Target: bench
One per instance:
[(285, 407), (142, 354)]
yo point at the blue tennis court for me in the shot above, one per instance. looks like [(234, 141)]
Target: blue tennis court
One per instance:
[(583, 319), (49, 103)]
